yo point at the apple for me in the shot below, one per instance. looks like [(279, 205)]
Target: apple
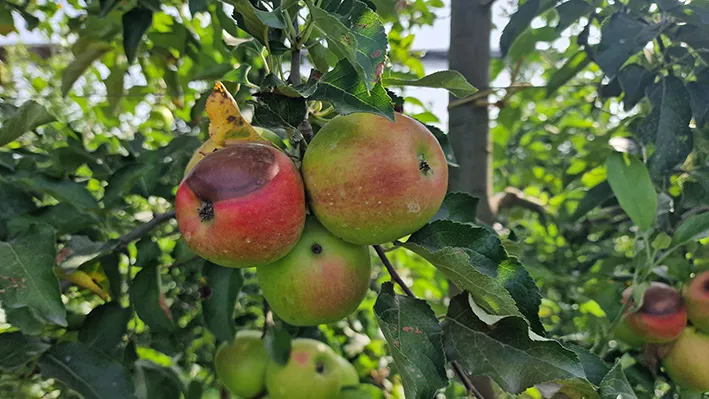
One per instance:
[(623, 332), (662, 316), (322, 280), (241, 365), (242, 206), (687, 362), (312, 372), (696, 300), (350, 376), (371, 180)]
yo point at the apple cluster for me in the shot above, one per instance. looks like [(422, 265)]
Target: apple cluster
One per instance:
[(678, 319), (313, 370), (363, 180)]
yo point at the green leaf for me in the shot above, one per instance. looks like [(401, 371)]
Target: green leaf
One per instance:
[(473, 259), (61, 189), (362, 391), (7, 23), (26, 274), (157, 382), (107, 6), (148, 301), (26, 320), (699, 101), (570, 11), (615, 385), (278, 345), (594, 197), (64, 217), (245, 15), (194, 390), (593, 366), (273, 19), (122, 182), (197, 6), (622, 36), (504, 349), (148, 252), (520, 21), (88, 372), (114, 87), (444, 141), (631, 184), (78, 251), (694, 228), (575, 64), (110, 265), (93, 51), (14, 201), (28, 117), (17, 349), (135, 23), (218, 309), (348, 94), (104, 327), (414, 337), (452, 81), (458, 207), (634, 79), (667, 126), (278, 111)]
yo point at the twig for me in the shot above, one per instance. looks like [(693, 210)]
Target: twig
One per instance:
[(295, 54), (223, 393), (267, 318), (145, 228), (395, 276)]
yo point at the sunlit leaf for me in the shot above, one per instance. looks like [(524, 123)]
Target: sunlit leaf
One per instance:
[(29, 116), (631, 184)]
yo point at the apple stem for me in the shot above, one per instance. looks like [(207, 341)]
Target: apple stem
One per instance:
[(462, 375)]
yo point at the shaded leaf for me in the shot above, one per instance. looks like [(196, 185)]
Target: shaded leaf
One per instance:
[(17, 349), (570, 11), (93, 51), (104, 327), (114, 87), (699, 101), (520, 21), (197, 6), (278, 111), (594, 367), (149, 302), (571, 68), (157, 382), (634, 79), (88, 372), (278, 345), (444, 141), (622, 36), (14, 201), (61, 189), (26, 274), (693, 228), (362, 391), (615, 385), (274, 18), (28, 117), (594, 197), (452, 81), (414, 337), (26, 320), (218, 309), (458, 207), (64, 217), (135, 23), (631, 184)]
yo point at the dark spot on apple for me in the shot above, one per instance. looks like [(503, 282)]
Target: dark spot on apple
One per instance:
[(661, 300), (232, 172), (706, 285), (206, 211), (316, 249), (424, 167), (319, 367)]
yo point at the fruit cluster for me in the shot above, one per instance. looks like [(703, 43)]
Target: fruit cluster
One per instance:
[(679, 320), (313, 370)]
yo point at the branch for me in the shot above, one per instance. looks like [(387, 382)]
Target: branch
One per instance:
[(514, 198), (295, 55), (462, 375), (145, 228)]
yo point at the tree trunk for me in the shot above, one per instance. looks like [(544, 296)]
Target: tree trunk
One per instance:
[(469, 54)]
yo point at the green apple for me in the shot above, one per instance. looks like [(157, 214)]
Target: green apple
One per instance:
[(696, 299), (241, 365), (687, 362), (371, 180), (313, 371), (662, 316), (624, 333), (322, 280), (350, 376)]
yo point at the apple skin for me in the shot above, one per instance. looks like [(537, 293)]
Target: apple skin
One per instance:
[(350, 376), (687, 362), (624, 333), (312, 372), (242, 206), (372, 181), (662, 317), (322, 280), (241, 365), (696, 300)]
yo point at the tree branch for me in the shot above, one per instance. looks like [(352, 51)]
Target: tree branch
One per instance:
[(514, 198), (145, 228), (462, 375), (295, 55)]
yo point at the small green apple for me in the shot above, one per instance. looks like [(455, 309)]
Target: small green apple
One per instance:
[(696, 299), (313, 371), (350, 376), (687, 362), (241, 365)]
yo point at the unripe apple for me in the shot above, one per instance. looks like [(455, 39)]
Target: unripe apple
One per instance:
[(372, 181), (662, 316), (686, 362), (242, 206), (696, 300), (312, 372), (624, 333), (322, 280), (241, 365), (350, 376)]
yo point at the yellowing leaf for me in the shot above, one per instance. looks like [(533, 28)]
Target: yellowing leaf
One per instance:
[(225, 119)]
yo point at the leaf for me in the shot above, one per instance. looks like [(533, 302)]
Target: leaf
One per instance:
[(157, 382), (361, 391), (631, 184), (26, 320), (135, 23), (615, 385), (122, 181), (570, 11), (78, 251), (14, 201), (348, 94), (694, 228), (114, 87), (622, 36), (225, 118), (278, 345), (520, 21), (61, 189), (699, 101), (474, 260), (452, 81), (197, 6), (444, 141), (107, 6), (218, 309), (104, 327), (575, 64), (148, 252), (593, 366), (634, 79), (503, 348), (149, 302), (17, 349), (110, 265), (26, 274), (458, 207), (667, 126), (88, 372), (278, 111), (273, 19), (414, 337), (594, 197), (28, 117), (246, 18), (70, 74)]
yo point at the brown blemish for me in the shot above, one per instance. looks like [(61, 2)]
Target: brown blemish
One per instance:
[(424, 167), (231, 118), (661, 300)]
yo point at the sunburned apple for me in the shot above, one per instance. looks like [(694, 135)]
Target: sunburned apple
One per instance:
[(242, 206), (696, 299), (662, 316), (371, 180)]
